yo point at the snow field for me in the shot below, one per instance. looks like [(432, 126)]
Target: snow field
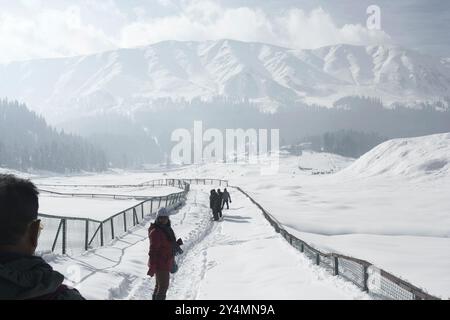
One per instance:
[(95, 208), (391, 207)]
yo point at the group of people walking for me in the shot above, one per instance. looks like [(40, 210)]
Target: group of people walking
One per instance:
[(164, 247), (217, 201), (23, 275)]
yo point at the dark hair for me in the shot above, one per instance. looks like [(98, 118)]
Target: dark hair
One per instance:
[(19, 206), (169, 223)]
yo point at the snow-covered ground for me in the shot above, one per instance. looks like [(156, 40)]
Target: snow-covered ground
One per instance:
[(146, 191), (112, 177), (94, 208), (391, 207), (239, 258)]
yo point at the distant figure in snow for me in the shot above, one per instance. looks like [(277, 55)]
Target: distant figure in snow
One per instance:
[(214, 204), (24, 276), (226, 199), (220, 194), (163, 249)]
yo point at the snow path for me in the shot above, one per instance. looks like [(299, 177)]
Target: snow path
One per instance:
[(243, 258), (239, 258)]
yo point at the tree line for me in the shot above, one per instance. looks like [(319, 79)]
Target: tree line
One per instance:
[(352, 127), (27, 142)]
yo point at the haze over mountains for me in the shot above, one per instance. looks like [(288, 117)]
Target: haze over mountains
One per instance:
[(125, 80)]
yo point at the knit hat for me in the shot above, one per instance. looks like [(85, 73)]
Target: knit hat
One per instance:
[(162, 213)]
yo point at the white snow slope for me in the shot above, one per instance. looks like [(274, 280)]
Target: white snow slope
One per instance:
[(126, 79), (423, 157)]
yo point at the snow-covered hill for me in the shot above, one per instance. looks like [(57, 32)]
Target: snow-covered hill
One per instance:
[(420, 157), (128, 78)]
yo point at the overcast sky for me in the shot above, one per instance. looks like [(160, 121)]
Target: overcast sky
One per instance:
[(53, 28)]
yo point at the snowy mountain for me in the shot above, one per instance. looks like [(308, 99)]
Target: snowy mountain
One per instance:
[(422, 157), (125, 79)]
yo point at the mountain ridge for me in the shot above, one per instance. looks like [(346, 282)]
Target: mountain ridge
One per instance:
[(123, 79)]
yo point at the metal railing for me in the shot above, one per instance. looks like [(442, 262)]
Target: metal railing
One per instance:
[(152, 183), (222, 183), (72, 235), (378, 283)]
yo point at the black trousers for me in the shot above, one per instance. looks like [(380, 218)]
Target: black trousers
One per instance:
[(162, 285), (216, 215), (223, 205)]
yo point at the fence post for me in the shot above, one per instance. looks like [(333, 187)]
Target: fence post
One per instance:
[(142, 211), (112, 229), (366, 278), (64, 231), (159, 205), (318, 259), (102, 241), (302, 247), (86, 236), (134, 217), (57, 235), (336, 265), (167, 199), (124, 221), (151, 206)]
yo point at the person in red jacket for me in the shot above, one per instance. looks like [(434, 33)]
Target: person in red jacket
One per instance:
[(163, 249)]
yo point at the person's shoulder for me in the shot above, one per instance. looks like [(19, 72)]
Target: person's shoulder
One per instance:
[(154, 230)]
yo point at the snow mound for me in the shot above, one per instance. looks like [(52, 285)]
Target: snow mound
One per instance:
[(427, 156)]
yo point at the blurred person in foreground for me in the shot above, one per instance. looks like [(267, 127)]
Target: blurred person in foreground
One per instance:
[(24, 276)]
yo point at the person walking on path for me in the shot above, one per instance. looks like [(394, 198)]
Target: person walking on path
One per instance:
[(220, 199), (214, 204), (163, 249), (226, 199), (24, 276)]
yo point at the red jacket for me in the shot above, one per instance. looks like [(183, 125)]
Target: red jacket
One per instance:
[(161, 251)]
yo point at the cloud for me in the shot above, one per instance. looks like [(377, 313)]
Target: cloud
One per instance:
[(207, 20), (51, 33), (317, 28), (90, 26)]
